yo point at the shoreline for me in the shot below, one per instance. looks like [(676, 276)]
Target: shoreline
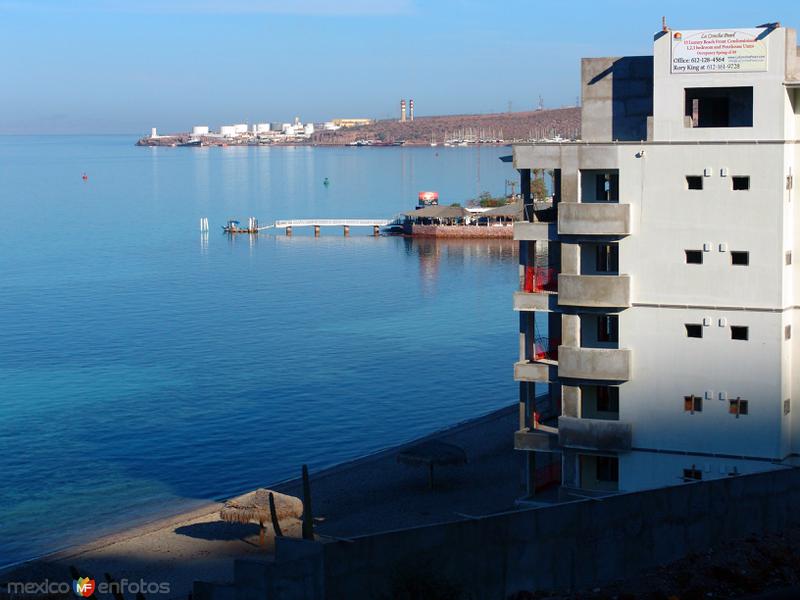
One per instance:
[(173, 520)]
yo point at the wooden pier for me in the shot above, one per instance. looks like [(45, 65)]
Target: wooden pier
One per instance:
[(288, 225), (317, 224)]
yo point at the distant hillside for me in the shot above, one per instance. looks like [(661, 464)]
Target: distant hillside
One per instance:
[(422, 130)]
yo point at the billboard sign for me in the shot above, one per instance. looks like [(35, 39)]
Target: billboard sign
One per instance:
[(719, 50), (428, 198)]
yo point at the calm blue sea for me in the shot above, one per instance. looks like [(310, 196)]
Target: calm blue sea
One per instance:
[(145, 368)]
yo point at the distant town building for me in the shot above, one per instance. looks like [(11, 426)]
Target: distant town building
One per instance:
[(659, 294)]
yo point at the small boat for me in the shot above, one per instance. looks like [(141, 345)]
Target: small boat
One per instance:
[(233, 226), (190, 144)]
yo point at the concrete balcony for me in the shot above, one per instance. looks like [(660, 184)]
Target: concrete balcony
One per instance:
[(530, 232), (536, 371), (594, 218), (544, 439), (605, 364), (594, 434), (595, 291), (527, 301)]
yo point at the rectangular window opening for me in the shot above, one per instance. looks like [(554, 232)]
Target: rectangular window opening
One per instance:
[(607, 328), (693, 474), (739, 332), (787, 332), (719, 106), (787, 406), (694, 257), (694, 330), (740, 182), (607, 468), (740, 258), (694, 182), (788, 257)]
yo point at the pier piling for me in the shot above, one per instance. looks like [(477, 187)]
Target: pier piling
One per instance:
[(346, 230), (316, 230), (289, 230)]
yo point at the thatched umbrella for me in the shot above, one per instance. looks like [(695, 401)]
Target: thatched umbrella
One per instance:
[(433, 453), (254, 506)]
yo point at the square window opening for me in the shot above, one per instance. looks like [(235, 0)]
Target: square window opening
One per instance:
[(739, 332), (740, 182), (607, 399), (694, 257), (740, 258), (607, 258), (693, 403), (694, 182), (694, 330), (738, 407)]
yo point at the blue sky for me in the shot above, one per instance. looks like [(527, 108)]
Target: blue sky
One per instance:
[(103, 66)]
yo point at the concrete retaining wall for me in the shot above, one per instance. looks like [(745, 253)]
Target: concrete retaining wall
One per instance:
[(558, 547), (463, 231)]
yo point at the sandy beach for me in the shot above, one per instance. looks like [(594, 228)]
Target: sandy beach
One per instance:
[(369, 494)]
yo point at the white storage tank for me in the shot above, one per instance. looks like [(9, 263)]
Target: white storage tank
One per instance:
[(228, 130), (262, 127), (200, 130), (240, 128)]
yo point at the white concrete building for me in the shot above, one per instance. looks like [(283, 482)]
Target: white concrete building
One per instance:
[(658, 307)]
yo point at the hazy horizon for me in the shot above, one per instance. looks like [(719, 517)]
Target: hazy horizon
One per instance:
[(118, 66)]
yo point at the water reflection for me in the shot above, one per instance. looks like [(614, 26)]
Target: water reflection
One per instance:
[(431, 251)]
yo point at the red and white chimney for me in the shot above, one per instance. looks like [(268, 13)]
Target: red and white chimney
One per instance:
[(402, 110), (411, 110)]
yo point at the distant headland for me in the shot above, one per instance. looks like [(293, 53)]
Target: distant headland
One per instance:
[(447, 130)]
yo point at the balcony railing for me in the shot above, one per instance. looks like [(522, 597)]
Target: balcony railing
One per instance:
[(594, 218), (596, 291), (594, 434), (608, 364)]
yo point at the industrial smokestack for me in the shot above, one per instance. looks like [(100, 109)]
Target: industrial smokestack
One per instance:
[(402, 110), (411, 110)]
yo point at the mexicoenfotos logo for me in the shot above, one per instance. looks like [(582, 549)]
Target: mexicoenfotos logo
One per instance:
[(83, 587)]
